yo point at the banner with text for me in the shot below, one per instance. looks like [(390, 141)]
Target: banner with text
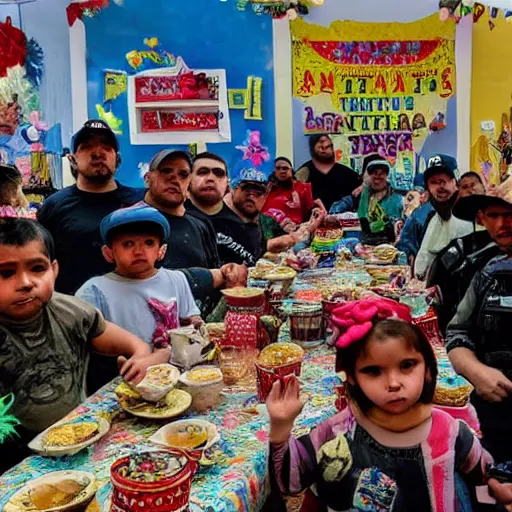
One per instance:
[(375, 87)]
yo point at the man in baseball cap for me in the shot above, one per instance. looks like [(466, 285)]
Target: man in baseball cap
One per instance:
[(478, 337), (95, 128), (440, 181)]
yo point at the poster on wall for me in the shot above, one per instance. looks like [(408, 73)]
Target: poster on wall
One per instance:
[(375, 87)]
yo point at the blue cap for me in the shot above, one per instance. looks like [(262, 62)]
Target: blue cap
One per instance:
[(140, 212)]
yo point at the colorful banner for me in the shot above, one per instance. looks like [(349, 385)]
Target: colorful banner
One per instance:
[(376, 87), (176, 121)]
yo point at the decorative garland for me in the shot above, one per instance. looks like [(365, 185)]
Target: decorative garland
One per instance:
[(90, 8), (280, 8), (460, 8)]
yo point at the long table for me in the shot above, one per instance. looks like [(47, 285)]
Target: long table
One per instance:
[(238, 479)]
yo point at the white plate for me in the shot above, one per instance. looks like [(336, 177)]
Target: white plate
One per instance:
[(20, 501), (37, 444), (159, 437)]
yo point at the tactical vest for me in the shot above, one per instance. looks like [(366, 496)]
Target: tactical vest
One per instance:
[(494, 347)]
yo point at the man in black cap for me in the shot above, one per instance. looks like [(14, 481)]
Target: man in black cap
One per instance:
[(442, 227), (329, 180), (478, 338), (73, 215)]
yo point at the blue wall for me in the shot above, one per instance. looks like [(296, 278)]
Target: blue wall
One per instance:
[(208, 34), (403, 11)]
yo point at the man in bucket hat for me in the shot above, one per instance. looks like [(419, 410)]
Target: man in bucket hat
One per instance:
[(478, 337)]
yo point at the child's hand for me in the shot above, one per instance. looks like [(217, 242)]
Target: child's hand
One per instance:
[(284, 403), (502, 492), (134, 369)]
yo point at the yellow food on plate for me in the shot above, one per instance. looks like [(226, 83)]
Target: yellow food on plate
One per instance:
[(70, 434), (47, 496), (161, 375), (127, 396), (243, 292), (204, 374), (187, 437), (279, 354)]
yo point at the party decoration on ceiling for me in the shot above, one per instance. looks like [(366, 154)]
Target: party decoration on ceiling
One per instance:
[(254, 156), (280, 8), (248, 99), (88, 8), (25, 139), (376, 87), (458, 9)]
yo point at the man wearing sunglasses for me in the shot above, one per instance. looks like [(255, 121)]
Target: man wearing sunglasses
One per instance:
[(237, 241)]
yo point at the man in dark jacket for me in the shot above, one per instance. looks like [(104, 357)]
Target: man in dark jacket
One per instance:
[(478, 337)]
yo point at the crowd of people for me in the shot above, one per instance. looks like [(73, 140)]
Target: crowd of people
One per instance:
[(92, 288)]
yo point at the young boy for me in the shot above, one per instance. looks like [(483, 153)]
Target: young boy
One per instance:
[(137, 296), (46, 337)]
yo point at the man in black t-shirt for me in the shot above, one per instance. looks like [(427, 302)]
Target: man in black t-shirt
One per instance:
[(237, 241), (73, 214), (329, 180), (192, 242)]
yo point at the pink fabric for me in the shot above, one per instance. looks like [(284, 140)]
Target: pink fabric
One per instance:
[(355, 319), (438, 451)]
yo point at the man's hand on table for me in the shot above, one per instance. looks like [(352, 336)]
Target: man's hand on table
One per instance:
[(134, 369)]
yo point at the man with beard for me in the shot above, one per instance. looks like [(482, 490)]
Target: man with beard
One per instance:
[(443, 227), (378, 206), (414, 228), (478, 337), (237, 242), (192, 242), (329, 180), (73, 215)]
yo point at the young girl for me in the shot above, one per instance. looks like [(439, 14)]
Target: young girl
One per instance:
[(390, 451)]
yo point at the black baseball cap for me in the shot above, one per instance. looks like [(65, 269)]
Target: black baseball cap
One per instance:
[(95, 128), (440, 164)]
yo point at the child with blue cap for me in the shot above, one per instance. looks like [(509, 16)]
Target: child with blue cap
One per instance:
[(138, 296)]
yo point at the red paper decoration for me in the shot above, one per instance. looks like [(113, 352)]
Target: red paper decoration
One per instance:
[(77, 10)]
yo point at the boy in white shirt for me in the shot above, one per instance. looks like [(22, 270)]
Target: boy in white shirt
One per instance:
[(137, 296)]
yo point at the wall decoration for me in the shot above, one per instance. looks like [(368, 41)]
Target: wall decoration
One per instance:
[(237, 98), (176, 104), (376, 87), (251, 166), (25, 139), (115, 84), (248, 99)]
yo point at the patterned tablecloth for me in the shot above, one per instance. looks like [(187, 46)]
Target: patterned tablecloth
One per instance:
[(237, 481)]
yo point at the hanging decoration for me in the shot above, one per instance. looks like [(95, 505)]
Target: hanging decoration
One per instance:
[(114, 84), (280, 8), (377, 88), (458, 9), (248, 99), (90, 8)]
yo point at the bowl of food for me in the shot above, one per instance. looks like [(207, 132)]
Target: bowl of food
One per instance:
[(188, 435), (159, 380), (204, 383), (279, 281), (68, 438), (274, 363), (55, 491), (154, 480), (244, 297), (174, 403)]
